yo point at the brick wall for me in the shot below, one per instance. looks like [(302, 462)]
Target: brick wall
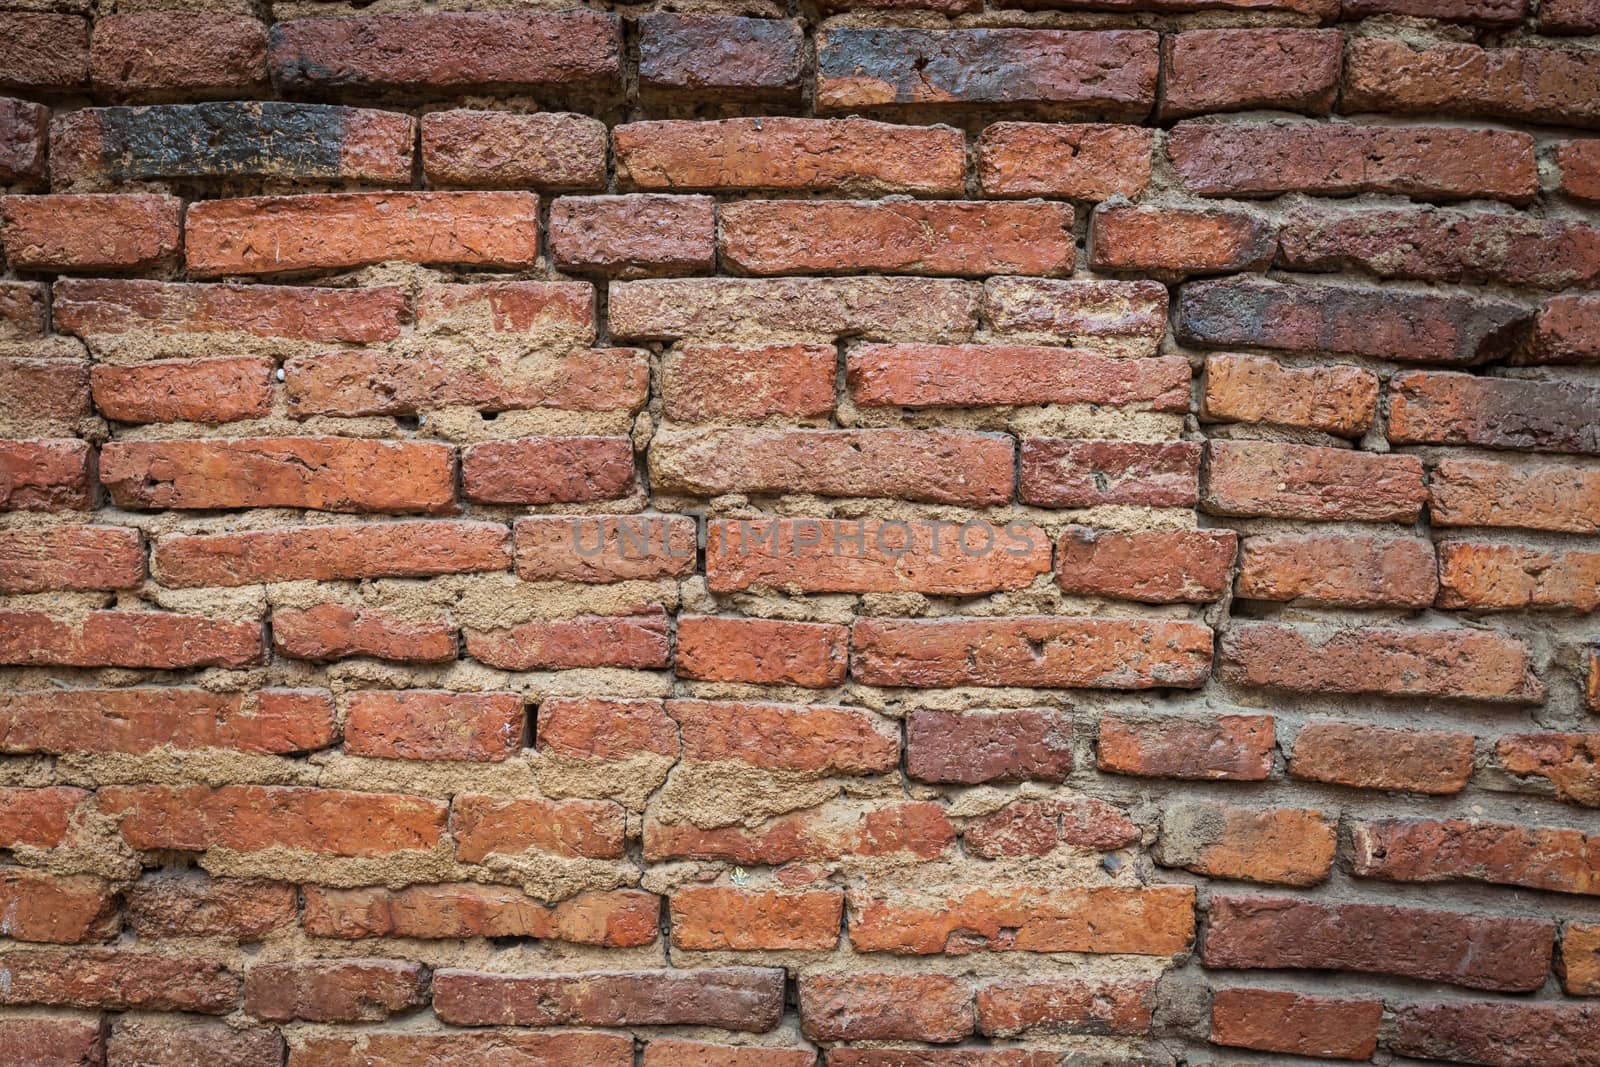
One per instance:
[(909, 534)]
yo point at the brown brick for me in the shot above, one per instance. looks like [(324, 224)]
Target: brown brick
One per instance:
[(421, 1048), (1566, 331), (545, 470), (1545, 85), (1109, 74), (762, 651), (1570, 762), (332, 552), (747, 383), (1013, 1007), (1045, 651), (1481, 577), (22, 309), (45, 475), (43, 52), (1569, 16), (181, 906), (885, 1007), (812, 738), (1174, 243), (1444, 408), (971, 747), (1424, 162), (669, 1052), (338, 631), (1242, 70), (330, 991), (553, 151), (961, 237), (433, 725), (38, 818), (1287, 481), (1480, 12), (277, 234), (1447, 850), (633, 236), (139, 720), (1086, 161), (62, 911), (628, 641), (1224, 747), (150, 1044), (732, 998), (431, 912), (150, 54), (117, 981), (1126, 317), (1038, 827), (323, 473), (1542, 496), (1296, 1023), (1060, 472), (812, 155), (1286, 846), (43, 397), (919, 376), (485, 826), (24, 128), (901, 831), (1578, 962), (840, 1056), (53, 1042), (91, 232), (604, 548), (1579, 164), (1501, 1033), (1156, 566), (1476, 951), (449, 50), (158, 639), (717, 918), (1258, 389), (719, 56), (208, 391), (70, 557), (1379, 757)]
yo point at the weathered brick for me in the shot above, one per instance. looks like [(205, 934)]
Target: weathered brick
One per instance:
[(1578, 962), (433, 725), (885, 1007), (1476, 951), (158, 639), (893, 831), (1444, 408), (45, 475), (333, 991), (331, 552), (1081, 161), (24, 129), (449, 50), (1569, 16), (632, 641), (1486, 492), (747, 383), (1241, 70), (62, 911), (89, 232), (1296, 1023), (507, 150), (1480, 12), (53, 1042), (1155, 566), (1058, 472), (1570, 762), (1556, 86), (1039, 827), (960, 237), (718, 918), (1286, 846), (208, 391), (1014, 1007), (181, 906), (668, 1052), (1566, 331), (43, 397), (1379, 757), (138, 720), (546, 470), (43, 52), (1046, 651), (1245, 388), (278, 234), (117, 981), (1424, 162), (1447, 850), (421, 1048), (606, 729), (250, 818), (803, 155), (967, 748), (38, 818), (161, 54), (813, 738), (70, 557), (1481, 577), (732, 998), (1224, 747), (604, 548), (1107, 74), (920, 376), (1174, 243), (1579, 164), (537, 313), (762, 651), (1287, 481), (613, 919), (150, 1044), (840, 1056), (484, 826), (634, 235), (720, 56), (1500, 1033), (337, 631), (23, 310)]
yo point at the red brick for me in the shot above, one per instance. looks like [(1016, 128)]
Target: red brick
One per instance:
[(871, 556), (731, 998), (433, 725), (1156, 566), (840, 1056), (1273, 1021), (249, 818), (508, 150), (323, 473), (919, 376), (930, 466), (812, 738), (529, 313), (1125, 317), (968, 748), (43, 52), (1501, 1033), (633, 236), (1569, 16), (1444, 408), (548, 470), (1579, 164), (483, 826), (53, 1042), (1173, 243), (62, 911), (893, 831), (1286, 846), (1379, 757), (747, 383), (1242, 70), (1045, 651), (604, 548), (1086, 161), (184, 390), (720, 57), (1556, 86), (1447, 850), (139, 720), (803, 155), (420, 1048), (668, 1052), (117, 981), (885, 1007), (1038, 827), (606, 729), (1287, 481), (338, 631), (1110, 74), (89, 232), (1486, 492), (716, 918), (45, 475), (1060, 472), (1566, 331), (180, 906), (1569, 762), (1578, 962), (1480, 577), (961, 237), (1459, 664), (22, 309), (1480, 12), (343, 551), (334, 991), (629, 641), (70, 557), (24, 128), (37, 818), (1156, 921), (762, 651), (1222, 748), (1424, 162), (1476, 951), (1247, 388), (278, 234), (1013, 1007), (149, 1044), (151, 54), (449, 50), (158, 639), (431, 912), (43, 397)]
